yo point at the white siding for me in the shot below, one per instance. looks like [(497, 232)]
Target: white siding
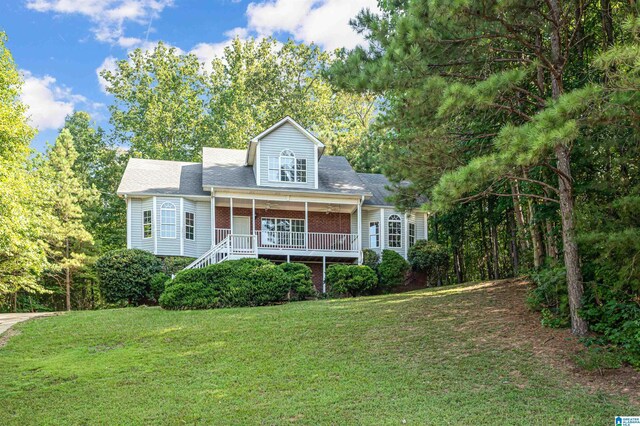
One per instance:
[(286, 137), (203, 227)]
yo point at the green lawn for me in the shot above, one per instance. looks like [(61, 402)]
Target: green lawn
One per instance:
[(441, 356)]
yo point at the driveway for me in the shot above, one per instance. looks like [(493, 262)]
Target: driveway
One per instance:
[(8, 320)]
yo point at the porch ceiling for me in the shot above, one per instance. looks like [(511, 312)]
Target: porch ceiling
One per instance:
[(288, 205)]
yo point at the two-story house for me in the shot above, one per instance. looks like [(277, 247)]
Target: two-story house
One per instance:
[(280, 199)]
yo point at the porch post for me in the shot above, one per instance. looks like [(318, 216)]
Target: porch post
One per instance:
[(213, 220), (231, 213), (154, 217), (253, 215), (181, 222), (426, 226), (324, 274), (382, 235), (359, 244), (306, 225)]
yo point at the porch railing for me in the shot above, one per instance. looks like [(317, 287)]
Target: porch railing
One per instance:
[(318, 241)]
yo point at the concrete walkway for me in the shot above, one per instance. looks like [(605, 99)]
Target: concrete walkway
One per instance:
[(8, 320)]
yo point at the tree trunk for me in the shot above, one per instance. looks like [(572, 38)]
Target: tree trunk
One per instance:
[(536, 238), (15, 302), (519, 215), (552, 250), (68, 280), (485, 249), (575, 287), (513, 245)]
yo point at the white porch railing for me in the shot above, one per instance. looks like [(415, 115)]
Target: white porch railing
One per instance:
[(232, 246), (317, 241), (243, 245), (221, 234)]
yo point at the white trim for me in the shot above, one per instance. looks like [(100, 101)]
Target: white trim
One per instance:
[(253, 217), (426, 226), (154, 218), (175, 224), (382, 230), (129, 223), (406, 236), (306, 225), (295, 168), (258, 159), (213, 220), (285, 195), (182, 227), (291, 121), (158, 194), (315, 165), (399, 220), (231, 214), (378, 234), (360, 231)]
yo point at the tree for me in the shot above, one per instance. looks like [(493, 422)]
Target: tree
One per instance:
[(22, 221), (480, 95), (69, 241)]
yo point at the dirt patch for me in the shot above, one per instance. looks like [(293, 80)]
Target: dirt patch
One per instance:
[(4, 337), (505, 300)]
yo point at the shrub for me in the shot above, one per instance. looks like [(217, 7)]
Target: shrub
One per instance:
[(370, 258), (299, 280), (126, 275), (392, 270), (550, 296), (158, 282), (244, 282), (171, 265), (354, 280), (429, 257)]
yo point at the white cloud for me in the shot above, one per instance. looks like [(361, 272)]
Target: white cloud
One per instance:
[(109, 64), (108, 16), (324, 22), (49, 103)]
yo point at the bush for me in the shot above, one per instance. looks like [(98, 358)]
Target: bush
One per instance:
[(158, 282), (431, 258), (171, 265), (550, 297), (370, 258), (392, 270), (299, 280), (244, 282), (126, 275), (354, 280)]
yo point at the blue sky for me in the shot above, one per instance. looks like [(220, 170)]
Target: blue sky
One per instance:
[(60, 45)]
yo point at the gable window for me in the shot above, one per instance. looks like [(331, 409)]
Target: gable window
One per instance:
[(282, 232), (287, 168), (412, 234), (147, 227), (168, 220), (395, 231), (189, 226), (374, 234)]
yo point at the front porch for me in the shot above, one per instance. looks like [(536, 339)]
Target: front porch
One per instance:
[(288, 228)]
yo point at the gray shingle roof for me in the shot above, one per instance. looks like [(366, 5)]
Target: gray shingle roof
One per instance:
[(225, 168), (376, 184), (161, 177)]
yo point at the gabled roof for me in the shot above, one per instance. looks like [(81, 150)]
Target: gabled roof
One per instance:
[(251, 150), (376, 184), (158, 177), (225, 168)]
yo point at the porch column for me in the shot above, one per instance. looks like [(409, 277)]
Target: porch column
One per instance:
[(213, 220), (426, 226), (324, 274), (306, 225), (181, 222), (154, 217), (253, 216), (359, 244), (382, 236), (231, 213)]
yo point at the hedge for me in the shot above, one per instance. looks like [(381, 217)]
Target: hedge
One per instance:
[(431, 258), (354, 280), (126, 275), (392, 270), (243, 282)]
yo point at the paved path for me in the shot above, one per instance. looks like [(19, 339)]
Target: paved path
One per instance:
[(8, 320)]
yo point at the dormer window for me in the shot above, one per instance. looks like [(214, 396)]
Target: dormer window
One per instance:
[(287, 168)]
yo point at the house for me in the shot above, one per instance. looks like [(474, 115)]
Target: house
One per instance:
[(280, 199)]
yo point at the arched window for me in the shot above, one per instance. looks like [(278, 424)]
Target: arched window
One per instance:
[(395, 231), (167, 220), (287, 168)]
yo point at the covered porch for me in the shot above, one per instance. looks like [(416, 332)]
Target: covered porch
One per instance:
[(287, 226)]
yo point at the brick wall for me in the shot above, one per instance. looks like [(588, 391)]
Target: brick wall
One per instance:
[(318, 221)]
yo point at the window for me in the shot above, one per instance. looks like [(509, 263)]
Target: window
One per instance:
[(286, 232), (395, 231), (189, 226), (374, 234), (146, 224), (412, 234), (168, 220), (287, 168)]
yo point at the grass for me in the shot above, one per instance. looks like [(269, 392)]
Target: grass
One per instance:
[(429, 357)]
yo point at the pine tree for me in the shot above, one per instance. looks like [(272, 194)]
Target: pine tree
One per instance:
[(69, 241)]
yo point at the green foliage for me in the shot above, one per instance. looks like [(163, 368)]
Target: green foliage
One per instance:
[(243, 282), (392, 270), (598, 358), (370, 258), (550, 296), (158, 282), (171, 265), (127, 275), (299, 280), (429, 257), (355, 280)]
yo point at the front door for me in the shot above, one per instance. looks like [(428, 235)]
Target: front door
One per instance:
[(241, 225)]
